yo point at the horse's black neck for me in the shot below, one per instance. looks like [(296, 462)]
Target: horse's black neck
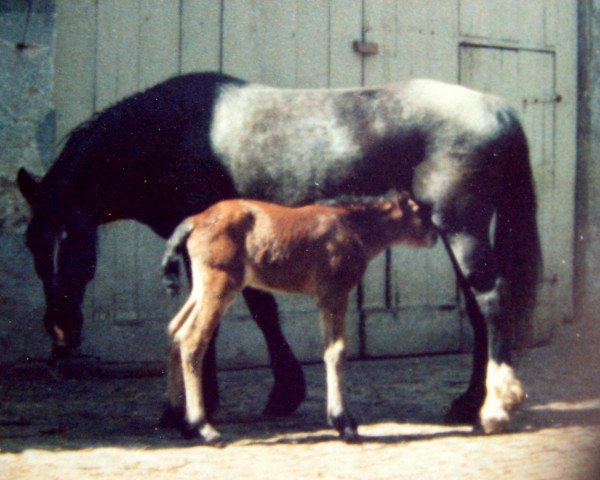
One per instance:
[(145, 158)]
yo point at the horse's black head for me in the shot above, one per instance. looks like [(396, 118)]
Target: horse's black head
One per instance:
[(42, 239)]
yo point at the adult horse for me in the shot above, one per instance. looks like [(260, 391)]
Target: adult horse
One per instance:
[(173, 150)]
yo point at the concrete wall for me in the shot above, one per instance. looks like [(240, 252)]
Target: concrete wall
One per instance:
[(587, 235), (26, 139)]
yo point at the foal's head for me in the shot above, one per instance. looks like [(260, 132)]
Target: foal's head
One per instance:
[(396, 218)]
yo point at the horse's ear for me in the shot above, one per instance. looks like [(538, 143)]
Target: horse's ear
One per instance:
[(28, 185)]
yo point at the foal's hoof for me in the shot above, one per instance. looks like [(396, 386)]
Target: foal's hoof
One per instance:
[(346, 427), (464, 409), (205, 432), (287, 394)]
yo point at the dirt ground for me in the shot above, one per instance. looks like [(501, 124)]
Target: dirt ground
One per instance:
[(101, 423)]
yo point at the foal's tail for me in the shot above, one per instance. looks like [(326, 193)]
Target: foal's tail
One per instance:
[(170, 261), (517, 242)]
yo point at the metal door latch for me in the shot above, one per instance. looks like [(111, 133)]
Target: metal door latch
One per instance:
[(557, 98), (365, 48)]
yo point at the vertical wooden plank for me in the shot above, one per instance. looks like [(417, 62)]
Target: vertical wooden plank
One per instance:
[(282, 43), (311, 44), (240, 28), (405, 51), (345, 66), (159, 59), (74, 64), (201, 35), (107, 54), (159, 41), (526, 80), (415, 40), (565, 40), (102, 289), (128, 53), (380, 26), (510, 21), (123, 236)]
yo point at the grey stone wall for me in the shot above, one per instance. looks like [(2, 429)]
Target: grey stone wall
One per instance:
[(26, 103), (587, 235), (26, 139)]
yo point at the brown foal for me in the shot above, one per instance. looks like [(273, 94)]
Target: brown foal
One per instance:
[(319, 250)]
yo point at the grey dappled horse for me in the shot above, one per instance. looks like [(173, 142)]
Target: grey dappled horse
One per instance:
[(173, 150)]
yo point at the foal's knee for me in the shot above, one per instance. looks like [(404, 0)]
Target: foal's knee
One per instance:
[(335, 353)]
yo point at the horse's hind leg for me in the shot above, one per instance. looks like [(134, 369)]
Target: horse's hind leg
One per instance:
[(174, 412), (289, 389), (465, 408), (503, 391)]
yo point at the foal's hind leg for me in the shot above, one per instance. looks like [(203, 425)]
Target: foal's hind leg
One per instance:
[(503, 391), (213, 297), (289, 389)]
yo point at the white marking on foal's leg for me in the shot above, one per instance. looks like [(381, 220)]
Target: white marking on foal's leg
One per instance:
[(337, 414), (334, 377), (504, 393)]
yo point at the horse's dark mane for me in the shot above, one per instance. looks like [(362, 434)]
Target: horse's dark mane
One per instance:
[(140, 128)]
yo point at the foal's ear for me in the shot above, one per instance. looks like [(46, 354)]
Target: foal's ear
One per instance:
[(407, 203), (28, 185)]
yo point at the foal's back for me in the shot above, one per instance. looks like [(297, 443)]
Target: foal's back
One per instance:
[(274, 247)]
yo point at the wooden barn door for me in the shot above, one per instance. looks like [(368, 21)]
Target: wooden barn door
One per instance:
[(526, 80), (295, 44), (408, 301)]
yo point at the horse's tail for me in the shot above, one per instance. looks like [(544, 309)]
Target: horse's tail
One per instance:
[(170, 261), (517, 242)]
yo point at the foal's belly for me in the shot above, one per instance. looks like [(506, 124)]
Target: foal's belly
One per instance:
[(285, 279)]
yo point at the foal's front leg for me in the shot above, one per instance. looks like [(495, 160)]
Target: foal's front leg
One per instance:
[(333, 313)]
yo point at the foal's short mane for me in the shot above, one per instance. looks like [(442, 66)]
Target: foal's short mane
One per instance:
[(364, 201), (364, 210)]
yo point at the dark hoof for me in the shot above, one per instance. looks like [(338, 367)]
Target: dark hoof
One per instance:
[(172, 418), (346, 427), (62, 352), (211, 402), (465, 410), (287, 394)]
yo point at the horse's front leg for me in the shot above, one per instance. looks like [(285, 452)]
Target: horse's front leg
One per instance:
[(76, 265), (332, 315), (289, 389), (503, 391)]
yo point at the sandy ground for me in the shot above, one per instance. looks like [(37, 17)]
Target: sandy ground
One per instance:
[(101, 423)]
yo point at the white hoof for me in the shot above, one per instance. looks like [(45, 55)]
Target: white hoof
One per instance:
[(504, 394)]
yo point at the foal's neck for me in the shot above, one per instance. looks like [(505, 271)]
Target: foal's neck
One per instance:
[(369, 224)]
